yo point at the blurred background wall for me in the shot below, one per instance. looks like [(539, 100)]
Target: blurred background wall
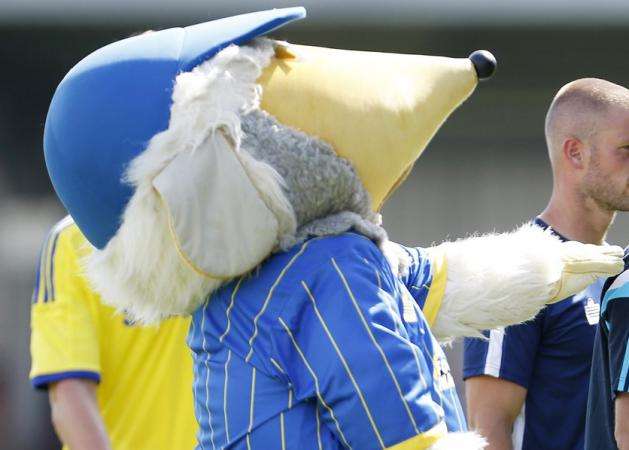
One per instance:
[(486, 169)]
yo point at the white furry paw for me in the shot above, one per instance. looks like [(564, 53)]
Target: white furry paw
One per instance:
[(583, 264), (505, 279), (460, 441)]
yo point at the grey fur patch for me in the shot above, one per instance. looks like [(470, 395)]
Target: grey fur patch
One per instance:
[(324, 190)]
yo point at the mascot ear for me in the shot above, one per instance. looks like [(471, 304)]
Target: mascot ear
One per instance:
[(219, 222)]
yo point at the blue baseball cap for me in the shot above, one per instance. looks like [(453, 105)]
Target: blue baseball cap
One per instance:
[(108, 107)]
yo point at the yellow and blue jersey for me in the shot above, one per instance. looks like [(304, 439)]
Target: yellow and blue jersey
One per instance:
[(144, 373), (610, 363), (550, 356), (324, 347)]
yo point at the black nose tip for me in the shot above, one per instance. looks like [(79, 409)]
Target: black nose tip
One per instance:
[(484, 63)]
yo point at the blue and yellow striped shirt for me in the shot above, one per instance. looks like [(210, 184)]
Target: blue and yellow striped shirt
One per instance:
[(323, 347)]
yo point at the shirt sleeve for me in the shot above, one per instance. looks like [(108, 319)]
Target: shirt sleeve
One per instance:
[(615, 313), (425, 279), (508, 353), (341, 343), (64, 338)]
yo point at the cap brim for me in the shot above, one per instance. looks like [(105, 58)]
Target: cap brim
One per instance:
[(231, 30)]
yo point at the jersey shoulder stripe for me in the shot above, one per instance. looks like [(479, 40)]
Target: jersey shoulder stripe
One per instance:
[(44, 281), (619, 288), (623, 379)]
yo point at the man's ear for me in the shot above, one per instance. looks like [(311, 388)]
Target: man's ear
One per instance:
[(573, 152)]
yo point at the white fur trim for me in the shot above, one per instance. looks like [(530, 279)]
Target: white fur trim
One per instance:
[(497, 280), (140, 270), (396, 256), (460, 441)]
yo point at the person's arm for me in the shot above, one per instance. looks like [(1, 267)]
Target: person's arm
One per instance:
[(621, 429), (75, 415), (497, 372), (493, 405), (65, 351)]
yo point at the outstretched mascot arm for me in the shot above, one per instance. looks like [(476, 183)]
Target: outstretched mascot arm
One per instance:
[(504, 279), (341, 340)]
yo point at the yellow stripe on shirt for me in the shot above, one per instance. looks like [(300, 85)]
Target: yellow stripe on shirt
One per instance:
[(316, 382), (345, 364), (437, 286), (375, 343), (229, 357), (207, 377), (269, 296), (424, 440), (229, 309)]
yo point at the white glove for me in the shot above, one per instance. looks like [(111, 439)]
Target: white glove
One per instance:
[(583, 264)]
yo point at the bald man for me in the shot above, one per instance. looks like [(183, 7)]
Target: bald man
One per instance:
[(607, 423), (527, 385)]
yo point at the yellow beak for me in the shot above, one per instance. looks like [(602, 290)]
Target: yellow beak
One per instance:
[(378, 110)]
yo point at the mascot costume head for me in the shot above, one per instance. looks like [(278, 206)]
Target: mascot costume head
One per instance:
[(192, 157), (187, 156)]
